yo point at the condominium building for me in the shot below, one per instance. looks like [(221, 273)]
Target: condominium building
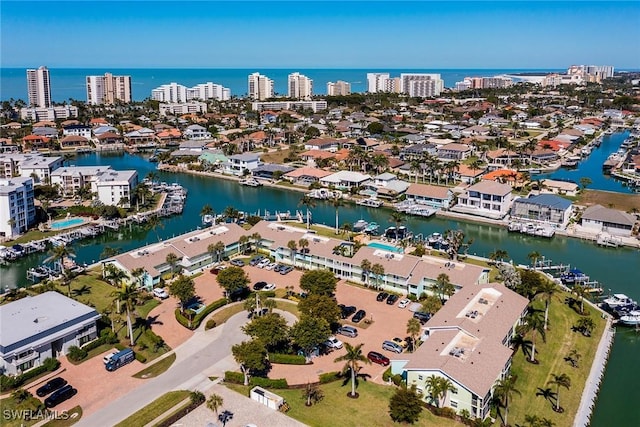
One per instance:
[(29, 166), (299, 86), (421, 85), (484, 83), (599, 72), (338, 88), (112, 187), (17, 211), (183, 108), (377, 82), (314, 106), (108, 89), (176, 93), (260, 87), (39, 87), (50, 114)]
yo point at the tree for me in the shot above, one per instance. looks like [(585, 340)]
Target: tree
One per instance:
[(293, 248), (242, 243), (548, 394), (337, 202), (252, 357), (58, 256), (413, 329), (446, 386), (534, 323), (309, 332), (431, 304), (312, 394), (217, 249), (322, 282), (154, 223), (206, 210), (573, 357), (433, 385), (405, 406), (320, 305), (505, 390), (498, 254), (215, 402), (365, 266), (581, 293), (546, 290), (271, 329), (232, 279), (585, 325), (377, 270), (128, 295), (172, 259), (519, 341), (443, 287), (184, 289), (561, 380), (308, 203), (352, 357), (585, 181), (534, 257)]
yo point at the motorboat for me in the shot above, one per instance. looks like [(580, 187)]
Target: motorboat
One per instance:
[(631, 319), (370, 203), (207, 219), (617, 300), (573, 276), (372, 228), (360, 225), (250, 182)]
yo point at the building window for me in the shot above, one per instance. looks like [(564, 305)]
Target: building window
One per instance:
[(454, 404), (27, 365), (420, 377)]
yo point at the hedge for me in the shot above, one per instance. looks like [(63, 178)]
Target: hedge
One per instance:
[(287, 359), (140, 358), (234, 377), (329, 377), (266, 294), (386, 375), (48, 365), (107, 337), (238, 378), (198, 318)]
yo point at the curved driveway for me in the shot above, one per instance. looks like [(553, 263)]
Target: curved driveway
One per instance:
[(206, 353)]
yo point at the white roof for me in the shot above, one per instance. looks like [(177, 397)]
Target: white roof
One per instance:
[(346, 176)]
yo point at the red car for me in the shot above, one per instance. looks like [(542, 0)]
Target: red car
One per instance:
[(378, 358)]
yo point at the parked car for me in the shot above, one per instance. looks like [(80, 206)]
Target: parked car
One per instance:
[(392, 299), (278, 267), (286, 270), (402, 343), (256, 260), (237, 262), (404, 303), (421, 316), (347, 310), (218, 268), (382, 296), (160, 293), (51, 386), (333, 342), (60, 396), (270, 287), (391, 346), (259, 286), (263, 263), (378, 358), (271, 266), (347, 331), (358, 316)]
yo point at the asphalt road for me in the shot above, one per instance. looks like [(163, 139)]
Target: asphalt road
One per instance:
[(194, 359)]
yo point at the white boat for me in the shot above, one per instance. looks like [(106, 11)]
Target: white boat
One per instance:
[(250, 182), (324, 194), (207, 219), (371, 203), (631, 319), (617, 300), (360, 225)]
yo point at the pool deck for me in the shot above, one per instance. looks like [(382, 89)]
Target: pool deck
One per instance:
[(74, 219)]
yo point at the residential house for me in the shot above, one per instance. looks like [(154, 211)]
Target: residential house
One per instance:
[(77, 130), (547, 208), (385, 186), (305, 176), (270, 171), (612, 221), (141, 137), (345, 180), (326, 144), (70, 179), (42, 326), (313, 157), (197, 132), (115, 188), (466, 174), (194, 146), (486, 198), (565, 188), (109, 139), (215, 158), (453, 151), (74, 141), (35, 142), (241, 164), (430, 195)]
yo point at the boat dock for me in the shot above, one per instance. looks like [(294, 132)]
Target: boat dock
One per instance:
[(532, 229), (412, 208)]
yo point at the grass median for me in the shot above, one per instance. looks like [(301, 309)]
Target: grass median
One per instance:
[(157, 368), (164, 403)]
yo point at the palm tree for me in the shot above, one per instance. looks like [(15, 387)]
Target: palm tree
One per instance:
[(293, 247), (548, 394), (217, 249), (269, 304), (352, 357), (445, 387), (152, 176), (505, 389), (500, 254), (230, 213), (307, 202), (206, 210), (397, 218), (128, 295), (256, 240), (336, 201), (58, 255), (546, 290), (573, 357), (534, 323), (378, 271), (519, 341), (172, 259), (12, 223), (433, 384), (581, 293), (413, 329), (303, 244), (242, 242), (444, 287), (561, 380), (137, 274), (534, 257), (155, 223), (215, 402), (365, 266)]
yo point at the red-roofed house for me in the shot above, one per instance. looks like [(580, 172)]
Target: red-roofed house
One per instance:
[(34, 142)]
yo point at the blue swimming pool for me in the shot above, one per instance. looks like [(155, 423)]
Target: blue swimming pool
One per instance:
[(384, 247), (66, 223)]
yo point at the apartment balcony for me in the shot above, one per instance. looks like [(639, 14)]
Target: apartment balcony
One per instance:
[(24, 359)]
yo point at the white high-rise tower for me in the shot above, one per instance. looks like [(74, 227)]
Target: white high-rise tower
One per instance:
[(300, 86), (39, 87), (260, 87)]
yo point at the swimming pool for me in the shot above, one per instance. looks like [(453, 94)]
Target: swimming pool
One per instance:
[(66, 223), (384, 247)]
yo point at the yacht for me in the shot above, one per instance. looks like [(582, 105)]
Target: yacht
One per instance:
[(573, 276), (370, 203), (631, 319), (617, 300), (207, 219), (250, 182), (360, 225)]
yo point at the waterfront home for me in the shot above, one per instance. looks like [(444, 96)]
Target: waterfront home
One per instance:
[(453, 151), (325, 144), (486, 198), (71, 179), (598, 218), (270, 171), (49, 132), (29, 165), (74, 141), (467, 342), (305, 176), (17, 210), (168, 136), (7, 146), (115, 188), (196, 132), (430, 195), (195, 146), (108, 139), (192, 249), (141, 136), (313, 157), (35, 142), (37, 327), (466, 174), (241, 164), (215, 158), (345, 180), (77, 130), (564, 188), (99, 130), (547, 208), (385, 186), (418, 151)]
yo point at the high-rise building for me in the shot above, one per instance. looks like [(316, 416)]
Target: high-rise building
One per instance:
[(39, 87), (338, 88), (421, 85), (177, 93), (108, 89), (377, 82), (17, 210), (260, 87), (299, 86)]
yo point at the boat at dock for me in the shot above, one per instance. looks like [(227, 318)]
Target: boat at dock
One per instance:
[(412, 208), (631, 319), (370, 203), (617, 300), (324, 194), (573, 276), (250, 182), (360, 225), (372, 228)]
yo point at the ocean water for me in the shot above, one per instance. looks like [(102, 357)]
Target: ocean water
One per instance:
[(69, 83)]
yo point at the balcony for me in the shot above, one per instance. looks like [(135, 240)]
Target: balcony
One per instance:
[(24, 359)]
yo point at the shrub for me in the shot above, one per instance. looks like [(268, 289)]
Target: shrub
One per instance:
[(386, 375), (140, 358), (397, 379), (329, 377), (287, 359), (234, 377), (51, 364), (197, 397), (267, 294), (269, 383), (211, 323), (445, 412), (76, 353), (7, 383), (198, 318)]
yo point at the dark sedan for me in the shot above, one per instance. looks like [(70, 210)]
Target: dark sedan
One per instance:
[(382, 296), (392, 299), (347, 311), (358, 316), (259, 286), (51, 386)]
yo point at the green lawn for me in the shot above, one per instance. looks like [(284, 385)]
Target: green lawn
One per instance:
[(291, 307), (223, 315), (157, 368), (16, 419), (560, 340), (155, 409), (370, 409)]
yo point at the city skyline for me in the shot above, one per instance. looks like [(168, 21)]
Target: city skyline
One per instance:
[(455, 34)]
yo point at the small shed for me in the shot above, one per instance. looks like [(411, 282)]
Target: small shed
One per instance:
[(267, 398)]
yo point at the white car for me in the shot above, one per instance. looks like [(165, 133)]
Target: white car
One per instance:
[(271, 266), (269, 287), (333, 342), (160, 293), (263, 263), (404, 303)]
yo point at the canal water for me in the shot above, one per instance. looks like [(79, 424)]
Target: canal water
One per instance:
[(617, 269)]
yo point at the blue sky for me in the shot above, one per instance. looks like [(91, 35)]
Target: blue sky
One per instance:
[(329, 34)]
